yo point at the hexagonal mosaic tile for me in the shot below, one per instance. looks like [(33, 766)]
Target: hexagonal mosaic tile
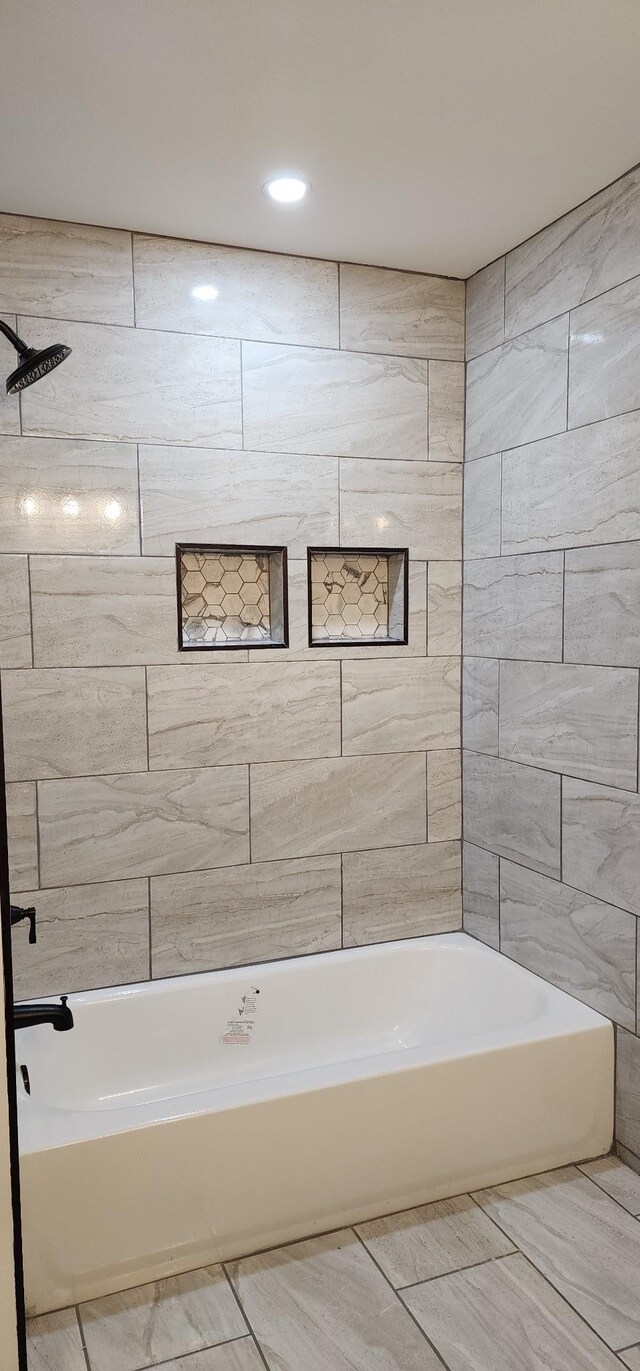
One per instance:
[(354, 596), (227, 597)]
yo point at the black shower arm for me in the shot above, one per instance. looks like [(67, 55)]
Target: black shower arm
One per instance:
[(10, 333)]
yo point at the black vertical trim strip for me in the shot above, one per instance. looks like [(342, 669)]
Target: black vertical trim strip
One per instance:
[(14, 1155)]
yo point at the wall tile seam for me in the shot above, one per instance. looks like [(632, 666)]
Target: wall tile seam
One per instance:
[(533, 442), (586, 894), (243, 338), (515, 337), (231, 866), (537, 766), (225, 766)]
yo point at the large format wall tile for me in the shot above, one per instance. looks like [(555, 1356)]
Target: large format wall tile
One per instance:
[(108, 611), (74, 496), (575, 489), (482, 494), (135, 384), (313, 400), (285, 1293), (402, 504), (446, 411), (444, 601), (485, 309), (443, 795), (579, 256), (603, 367), (203, 496), (518, 392), (578, 943), (582, 1241), (628, 1091), (602, 594), (400, 892), (341, 804), (582, 720), (400, 705), (88, 936), (74, 722), (480, 704), (261, 295), (401, 312), (512, 810), (265, 711), (481, 894), (513, 607), (601, 842), (22, 832), (462, 1312), (234, 915), (65, 271), (150, 823), (15, 612)]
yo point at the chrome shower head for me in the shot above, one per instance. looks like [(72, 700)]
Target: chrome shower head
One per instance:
[(34, 362)]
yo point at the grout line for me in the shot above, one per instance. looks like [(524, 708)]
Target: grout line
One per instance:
[(564, 572), (149, 925), (138, 446), (568, 371), (457, 1270), (37, 825), (571, 1166), (248, 814), (146, 717), (398, 1297), (30, 599), (82, 1336), (242, 394), (609, 1196), (560, 840), (133, 282), (342, 900), (245, 1316)]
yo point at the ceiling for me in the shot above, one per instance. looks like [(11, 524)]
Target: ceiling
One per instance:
[(435, 133)]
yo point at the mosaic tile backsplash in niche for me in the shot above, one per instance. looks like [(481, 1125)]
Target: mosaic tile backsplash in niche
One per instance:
[(357, 596), (231, 597), (174, 811)]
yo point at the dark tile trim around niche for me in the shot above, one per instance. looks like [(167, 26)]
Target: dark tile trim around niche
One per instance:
[(396, 600), (278, 598)]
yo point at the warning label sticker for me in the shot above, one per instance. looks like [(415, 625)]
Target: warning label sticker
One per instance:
[(239, 1030)]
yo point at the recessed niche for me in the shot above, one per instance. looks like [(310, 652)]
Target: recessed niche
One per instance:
[(357, 596), (230, 596)]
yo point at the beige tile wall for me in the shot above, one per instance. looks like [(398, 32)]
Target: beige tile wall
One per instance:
[(172, 813)]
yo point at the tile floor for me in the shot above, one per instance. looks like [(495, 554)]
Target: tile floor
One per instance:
[(537, 1275)]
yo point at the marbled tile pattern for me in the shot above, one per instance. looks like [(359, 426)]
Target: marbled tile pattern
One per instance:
[(225, 598), (518, 392), (401, 892), (305, 405), (61, 495), (215, 499), (512, 810), (417, 505), (578, 720), (202, 920), (128, 385), (575, 941), (65, 271), (552, 1283), (481, 894), (401, 312), (261, 295), (559, 690), (485, 309)]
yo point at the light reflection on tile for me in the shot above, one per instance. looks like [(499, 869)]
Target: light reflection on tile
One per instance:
[(65, 495)]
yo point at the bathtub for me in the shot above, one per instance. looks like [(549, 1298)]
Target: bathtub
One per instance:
[(192, 1120)]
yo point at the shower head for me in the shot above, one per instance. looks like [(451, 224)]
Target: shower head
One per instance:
[(34, 362)]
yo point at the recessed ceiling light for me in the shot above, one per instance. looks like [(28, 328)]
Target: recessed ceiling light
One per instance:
[(205, 292), (287, 190)]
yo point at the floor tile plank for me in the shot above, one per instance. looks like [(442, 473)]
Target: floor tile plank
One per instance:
[(433, 1240), (504, 1315), (169, 1318), (618, 1180), (323, 1305), (582, 1241), (241, 1355), (54, 1342)]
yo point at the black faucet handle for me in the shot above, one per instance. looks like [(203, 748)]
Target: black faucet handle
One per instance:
[(18, 914)]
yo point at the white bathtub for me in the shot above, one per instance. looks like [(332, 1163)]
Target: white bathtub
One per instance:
[(169, 1131)]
